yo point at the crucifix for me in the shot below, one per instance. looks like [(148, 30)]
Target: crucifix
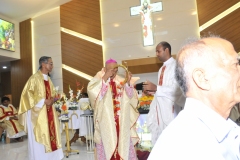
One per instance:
[(145, 9)]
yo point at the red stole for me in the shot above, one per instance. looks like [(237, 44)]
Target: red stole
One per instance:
[(160, 84), (10, 113), (161, 76), (115, 155), (51, 126)]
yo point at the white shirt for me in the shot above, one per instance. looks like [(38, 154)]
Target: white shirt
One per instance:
[(167, 103), (198, 133), (170, 88)]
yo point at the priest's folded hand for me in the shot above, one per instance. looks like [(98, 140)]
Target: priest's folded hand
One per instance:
[(49, 102)]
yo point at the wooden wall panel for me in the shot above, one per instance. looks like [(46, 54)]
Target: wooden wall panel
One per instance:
[(228, 28), (6, 83), (21, 69), (81, 54), (70, 79), (208, 9), (83, 17)]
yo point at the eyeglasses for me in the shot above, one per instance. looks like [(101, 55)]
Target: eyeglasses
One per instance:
[(49, 64)]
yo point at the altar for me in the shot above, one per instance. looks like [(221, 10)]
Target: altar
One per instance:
[(80, 123), (81, 126), (76, 120)]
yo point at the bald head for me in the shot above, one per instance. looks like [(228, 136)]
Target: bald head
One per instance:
[(207, 69), (206, 54)]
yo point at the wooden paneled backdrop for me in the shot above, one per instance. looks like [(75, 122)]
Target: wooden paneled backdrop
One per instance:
[(227, 27), (82, 17), (6, 81), (72, 81), (21, 69)]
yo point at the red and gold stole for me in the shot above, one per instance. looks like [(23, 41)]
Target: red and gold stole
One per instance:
[(115, 155), (51, 125), (9, 113)]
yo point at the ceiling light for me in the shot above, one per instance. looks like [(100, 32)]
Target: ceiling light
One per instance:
[(4, 67), (194, 13), (116, 25)]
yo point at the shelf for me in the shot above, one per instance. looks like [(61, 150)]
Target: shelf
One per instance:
[(143, 65)]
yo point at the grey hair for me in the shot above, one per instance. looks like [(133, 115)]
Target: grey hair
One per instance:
[(194, 54), (43, 59)]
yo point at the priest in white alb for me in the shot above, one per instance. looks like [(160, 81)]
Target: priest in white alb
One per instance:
[(168, 98), (39, 117), (114, 104)]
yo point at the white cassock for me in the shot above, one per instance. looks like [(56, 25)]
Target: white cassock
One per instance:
[(168, 101), (36, 151)]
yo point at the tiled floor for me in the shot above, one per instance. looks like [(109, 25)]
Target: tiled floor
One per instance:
[(19, 151)]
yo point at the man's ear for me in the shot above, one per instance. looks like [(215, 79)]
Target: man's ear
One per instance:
[(104, 69), (167, 51), (43, 65), (200, 78)]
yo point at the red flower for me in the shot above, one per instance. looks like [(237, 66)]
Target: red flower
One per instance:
[(77, 83), (64, 107)]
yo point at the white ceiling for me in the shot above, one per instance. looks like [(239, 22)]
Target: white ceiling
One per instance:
[(20, 10), (5, 61)]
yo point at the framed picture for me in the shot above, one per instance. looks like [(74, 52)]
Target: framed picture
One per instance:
[(7, 35)]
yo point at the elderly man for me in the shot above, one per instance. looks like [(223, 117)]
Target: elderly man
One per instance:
[(208, 73), (39, 116), (115, 114), (168, 98)]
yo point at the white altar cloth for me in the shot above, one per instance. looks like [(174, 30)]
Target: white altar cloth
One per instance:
[(77, 121)]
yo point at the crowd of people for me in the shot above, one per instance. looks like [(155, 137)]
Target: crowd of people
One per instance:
[(192, 115)]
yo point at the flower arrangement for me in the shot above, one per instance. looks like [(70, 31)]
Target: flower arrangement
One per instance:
[(74, 99), (62, 103), (59, 100), (145, 101)]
